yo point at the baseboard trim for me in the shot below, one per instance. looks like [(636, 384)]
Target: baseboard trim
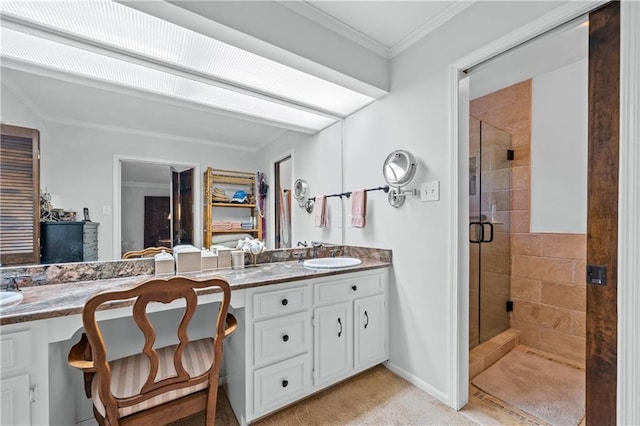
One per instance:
[(440, 396)]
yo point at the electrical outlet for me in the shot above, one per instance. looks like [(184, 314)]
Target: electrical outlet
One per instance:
[(106, 210), (430, 191)]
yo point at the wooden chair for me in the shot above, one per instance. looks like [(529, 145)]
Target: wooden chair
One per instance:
[(146, 252), (157, 385)]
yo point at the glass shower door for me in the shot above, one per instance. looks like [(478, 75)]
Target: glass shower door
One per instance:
[(489, 238)]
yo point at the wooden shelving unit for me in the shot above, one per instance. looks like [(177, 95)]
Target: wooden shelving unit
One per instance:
[(238, 181)]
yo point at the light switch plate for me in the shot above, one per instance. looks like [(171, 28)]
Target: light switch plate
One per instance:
[(430, 191)]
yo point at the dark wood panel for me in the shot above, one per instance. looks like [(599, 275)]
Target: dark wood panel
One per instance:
[(19, 195), (602, 222)]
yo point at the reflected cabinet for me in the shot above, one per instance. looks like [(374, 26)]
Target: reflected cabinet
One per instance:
[(230, 207), (69, 242)]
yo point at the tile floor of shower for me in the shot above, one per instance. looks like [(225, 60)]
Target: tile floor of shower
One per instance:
[(486, 409)]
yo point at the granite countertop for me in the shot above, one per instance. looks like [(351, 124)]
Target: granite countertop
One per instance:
[(56, 300)]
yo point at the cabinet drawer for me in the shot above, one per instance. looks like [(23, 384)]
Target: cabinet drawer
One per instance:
[(15, 350), (339, 290), (281, 302), (281, 383), (280, 338)]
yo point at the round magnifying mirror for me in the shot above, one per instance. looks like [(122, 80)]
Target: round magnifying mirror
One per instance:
[(299, 189), (399, 168)]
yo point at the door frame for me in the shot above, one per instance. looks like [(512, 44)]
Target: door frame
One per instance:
[(629, 211), (118, 159)]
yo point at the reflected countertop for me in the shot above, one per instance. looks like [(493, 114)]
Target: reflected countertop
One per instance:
[(56, 300)]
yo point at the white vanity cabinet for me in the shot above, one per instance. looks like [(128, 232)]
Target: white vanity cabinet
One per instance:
[(15, 383), (300, 337), (350, 325)]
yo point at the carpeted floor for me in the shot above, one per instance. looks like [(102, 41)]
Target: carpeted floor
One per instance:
[(550, 390), (375, 397)]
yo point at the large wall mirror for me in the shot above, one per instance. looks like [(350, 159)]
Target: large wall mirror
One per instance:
[(89, 128)]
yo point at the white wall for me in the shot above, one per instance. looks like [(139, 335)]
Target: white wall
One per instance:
[(318, 160), (16, 113), (133, 194), (559, 150)]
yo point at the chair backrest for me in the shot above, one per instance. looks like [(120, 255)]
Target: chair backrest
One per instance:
[(163, 291), (146, 252)]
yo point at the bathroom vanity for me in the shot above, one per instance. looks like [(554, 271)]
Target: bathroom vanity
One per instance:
[(299, 331)]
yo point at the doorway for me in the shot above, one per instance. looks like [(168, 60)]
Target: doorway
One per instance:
[(136, 178), (603, 377), (157, 221)]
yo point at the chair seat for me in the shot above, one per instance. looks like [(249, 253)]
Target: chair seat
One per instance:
[(129, 374)]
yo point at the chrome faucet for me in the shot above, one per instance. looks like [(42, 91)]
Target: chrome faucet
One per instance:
[(315, 246), (301, 244), (12, 282)]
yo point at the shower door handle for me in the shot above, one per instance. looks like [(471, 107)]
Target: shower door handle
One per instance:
[(490, 232), (479, 232)]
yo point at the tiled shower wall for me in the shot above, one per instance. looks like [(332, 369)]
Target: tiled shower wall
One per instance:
[(547, 270)]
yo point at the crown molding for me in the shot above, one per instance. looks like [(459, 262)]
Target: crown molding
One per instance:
[(429, 26), (328, 21)]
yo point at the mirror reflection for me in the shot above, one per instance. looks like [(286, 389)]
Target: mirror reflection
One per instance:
[(86, 125)]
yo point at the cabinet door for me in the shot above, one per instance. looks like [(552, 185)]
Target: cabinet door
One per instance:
[(333, 341), (15, 407), (370, 325)]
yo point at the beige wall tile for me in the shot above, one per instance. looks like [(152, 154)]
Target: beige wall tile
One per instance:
[(579, 324), (572, 347), (502, 199), (520, 199), (529, 333), (522, 155), (522, 90), (520, 134), (569, 246), (542, 268), (542, 315), (495, 283), (564, 296), (526, 289), (520, 221), (500, 242), (496, 262), (520, 177), (580, 273), (528, 244), (505, 115), (496, 180)]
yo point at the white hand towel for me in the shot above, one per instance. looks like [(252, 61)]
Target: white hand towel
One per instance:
[(321, 211), (359, 208)]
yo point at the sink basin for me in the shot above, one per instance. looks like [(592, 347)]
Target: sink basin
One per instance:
[(331, 263), (9, 298)]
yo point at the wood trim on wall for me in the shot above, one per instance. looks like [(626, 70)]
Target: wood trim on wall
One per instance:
[(602, 213)]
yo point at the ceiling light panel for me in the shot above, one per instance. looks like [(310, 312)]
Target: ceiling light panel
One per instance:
[(61, 57), (126, 29)]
